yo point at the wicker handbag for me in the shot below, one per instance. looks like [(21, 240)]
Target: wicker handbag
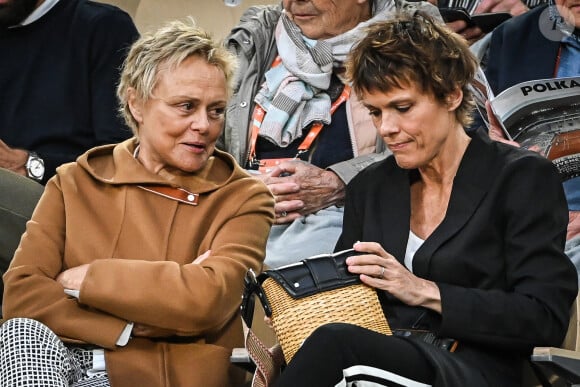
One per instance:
[(300, 297)]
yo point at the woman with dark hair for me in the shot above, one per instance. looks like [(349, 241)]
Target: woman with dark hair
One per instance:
[(463, 236)]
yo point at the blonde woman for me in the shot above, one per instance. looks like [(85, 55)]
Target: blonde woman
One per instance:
[(131, 269)]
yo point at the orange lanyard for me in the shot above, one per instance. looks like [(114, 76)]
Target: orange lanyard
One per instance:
[(260, 113), (258, 118)]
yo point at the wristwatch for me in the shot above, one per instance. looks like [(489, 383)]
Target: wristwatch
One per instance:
[(34, 166)]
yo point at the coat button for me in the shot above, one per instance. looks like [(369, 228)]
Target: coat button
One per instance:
[(244, 104), (190, 197)]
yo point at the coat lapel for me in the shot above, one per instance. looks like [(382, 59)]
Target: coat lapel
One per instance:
[(469, 188)]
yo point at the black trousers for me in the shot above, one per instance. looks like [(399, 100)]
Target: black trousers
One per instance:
[(337, 351)]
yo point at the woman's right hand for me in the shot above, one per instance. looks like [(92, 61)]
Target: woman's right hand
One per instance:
[(73, 278)]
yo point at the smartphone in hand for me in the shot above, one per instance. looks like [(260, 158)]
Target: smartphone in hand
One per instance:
[(486, 21)]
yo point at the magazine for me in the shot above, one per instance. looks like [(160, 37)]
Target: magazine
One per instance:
[(481, 93), (542, 115)]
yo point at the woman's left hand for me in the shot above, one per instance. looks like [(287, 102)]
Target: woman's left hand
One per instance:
[(381, 270), (73, 278)]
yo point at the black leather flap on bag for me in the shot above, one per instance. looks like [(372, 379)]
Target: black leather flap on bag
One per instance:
[(313, 275)]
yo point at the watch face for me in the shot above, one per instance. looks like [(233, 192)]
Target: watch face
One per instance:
[(36, 168)]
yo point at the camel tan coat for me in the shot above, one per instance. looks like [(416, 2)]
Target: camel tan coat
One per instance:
[(140, 246)]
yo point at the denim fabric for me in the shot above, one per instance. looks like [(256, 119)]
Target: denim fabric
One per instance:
[(572, 191), (570, 57)]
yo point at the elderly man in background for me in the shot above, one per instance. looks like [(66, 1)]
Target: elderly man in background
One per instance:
[(293, 119)]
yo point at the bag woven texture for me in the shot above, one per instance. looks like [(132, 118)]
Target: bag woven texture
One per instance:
[(295, 319)]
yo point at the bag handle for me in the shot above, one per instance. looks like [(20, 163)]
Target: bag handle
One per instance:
[(268, 361), (251, 287)]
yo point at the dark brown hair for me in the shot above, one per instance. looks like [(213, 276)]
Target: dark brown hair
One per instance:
[(414, 50)]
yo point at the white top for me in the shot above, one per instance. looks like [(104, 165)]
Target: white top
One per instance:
[(413, 245)]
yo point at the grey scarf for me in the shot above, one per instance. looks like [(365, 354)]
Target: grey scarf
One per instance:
[(294, 93)]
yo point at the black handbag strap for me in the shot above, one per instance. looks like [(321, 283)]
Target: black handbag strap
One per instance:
[(313, 275), (324, 271), (251, 287)]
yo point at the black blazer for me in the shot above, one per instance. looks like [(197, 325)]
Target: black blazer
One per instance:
[(497, 257)]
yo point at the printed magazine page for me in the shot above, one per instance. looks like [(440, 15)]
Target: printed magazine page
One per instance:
[(481, 93), (544, 115)]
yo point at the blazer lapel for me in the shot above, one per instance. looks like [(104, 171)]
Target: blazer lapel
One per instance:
[(469, 187), (397, 209)]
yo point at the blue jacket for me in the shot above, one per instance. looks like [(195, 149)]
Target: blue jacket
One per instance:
[(519, 52)]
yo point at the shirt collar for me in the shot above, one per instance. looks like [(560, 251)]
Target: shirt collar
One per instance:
[(39, 12), (572, 40)]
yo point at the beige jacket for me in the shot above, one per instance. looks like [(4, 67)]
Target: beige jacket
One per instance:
[(140, 246)]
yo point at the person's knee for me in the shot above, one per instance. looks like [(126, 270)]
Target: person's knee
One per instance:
[(19, 330), (331, 334)]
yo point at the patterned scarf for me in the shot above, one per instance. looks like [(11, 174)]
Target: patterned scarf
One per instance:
[(294, 92)]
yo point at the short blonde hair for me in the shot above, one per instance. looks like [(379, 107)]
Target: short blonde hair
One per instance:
[(414, 50), (169, 46)]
